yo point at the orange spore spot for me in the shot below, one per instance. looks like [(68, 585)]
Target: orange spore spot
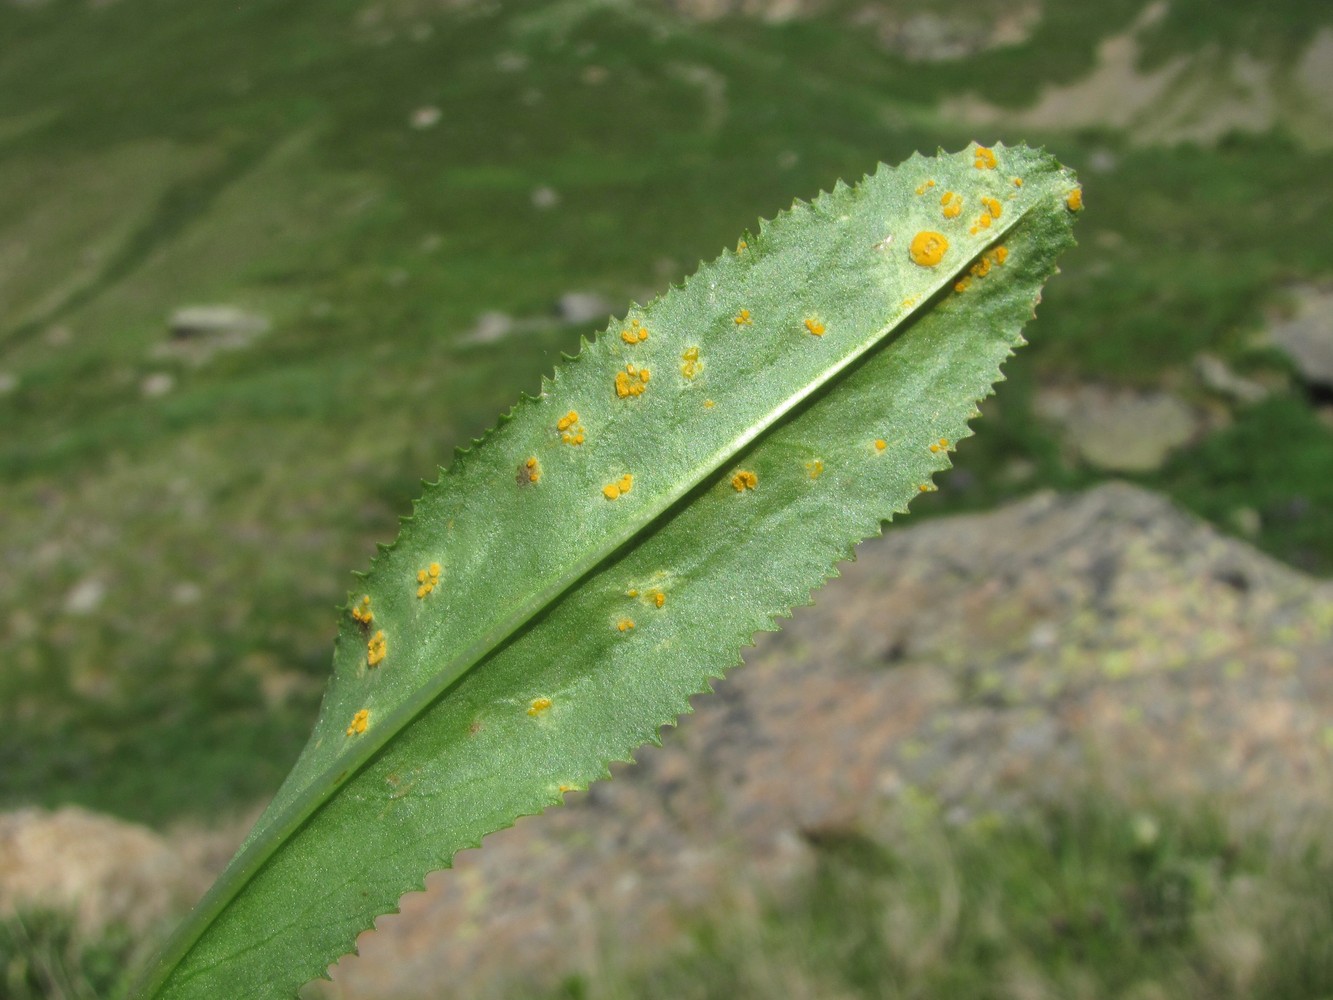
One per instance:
[(741, 245), (928, 248), (359, 723), (1018, 182), (985, 158), (709, 404), (815, 327), (981, 268), (815, 468), (616, 490), (1001, 254), (952, 205), (631, 382), (632, 592), (538, 706), (690, 363), (744, 480), (962, 286), (1074, 200), (529, 472), (880, 444), (567, 421), (376, 649), (635, 333), (625, 624), (993, 207), (362, 613), (742, 318), (659, 598)]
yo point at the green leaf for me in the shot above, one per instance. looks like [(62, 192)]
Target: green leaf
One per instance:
[(772, 411)]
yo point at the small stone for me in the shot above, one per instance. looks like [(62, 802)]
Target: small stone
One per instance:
[(86, 596), (157, 384), (1305, 334), (425, 117), (1214, 374), (582, 307), (1121, 430)]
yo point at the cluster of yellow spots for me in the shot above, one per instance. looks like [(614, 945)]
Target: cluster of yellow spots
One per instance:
[(656, 596), (744, 480), (635, 333), (690, 363), (815, 468), (428, 578), (571, 431), (941, 445), (926, 186), (985, 158), (982, 268), (631, 382), (529, 471), (625, 625), (741, 245), (814, 326), (1074, 200), (742, 318), (362, 613), (880, 444), (376, 649), (952, 204), (538, 705), (927, 248), (927, 488), (616, 490), (992, 210), (359, 723)]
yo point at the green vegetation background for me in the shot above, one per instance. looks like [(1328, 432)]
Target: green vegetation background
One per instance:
[(155, 155)]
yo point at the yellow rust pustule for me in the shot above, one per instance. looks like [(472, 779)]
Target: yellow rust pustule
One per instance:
[(362, 613), (814, 468), (539, 705), (880, 444), (616, 490), (625, 625), (1074, 200), (360, 721), (427, 579), (742, 318), (376, 649), (529, 472), (631, 382), (569, 428), (928, 248), (984, 158), (744, 480), (690, 364), (814, 327), (951, 205), (635, 333)]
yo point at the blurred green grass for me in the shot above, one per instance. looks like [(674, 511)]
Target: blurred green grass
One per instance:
[(263, 155)]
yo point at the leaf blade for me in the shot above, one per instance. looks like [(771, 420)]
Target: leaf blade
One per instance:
[(468, 741)]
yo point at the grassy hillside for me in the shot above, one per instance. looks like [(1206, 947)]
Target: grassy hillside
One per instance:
[(374, 178)]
